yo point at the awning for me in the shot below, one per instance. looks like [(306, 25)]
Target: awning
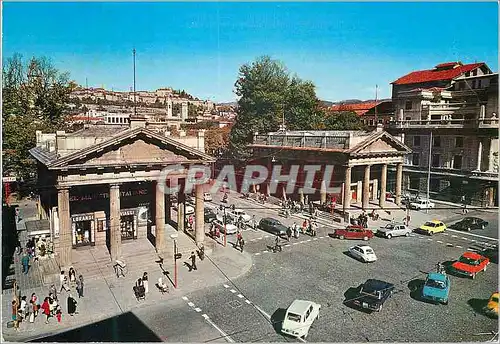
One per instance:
[(38, 227)]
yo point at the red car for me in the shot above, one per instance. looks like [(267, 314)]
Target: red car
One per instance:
[(353, 232), (470, 263)]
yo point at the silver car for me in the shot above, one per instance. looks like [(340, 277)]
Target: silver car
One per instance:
[(394, 229)]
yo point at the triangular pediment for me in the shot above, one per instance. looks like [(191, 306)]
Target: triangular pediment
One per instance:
[(380, 143), (134, 147)]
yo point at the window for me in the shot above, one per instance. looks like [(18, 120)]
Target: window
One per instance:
[(415, 161), (473, 84), (461, 86), (408, 105), (474, 72), (416, 141), (435, 160), (479, 84), (436, 141), (459, 142), (308, 312), (457, 162)]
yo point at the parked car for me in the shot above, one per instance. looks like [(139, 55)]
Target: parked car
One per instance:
[(390, 197), (209, 215), (237, 213), (409, 198), (272, 226), (207, 196), (373, 294), (363, 252), (422, 204), (469, 223), (353, 232), (231, 229), (437, 288), (491, 308), (470, 263), (188, 210), (299, 317), (431, 227), (394, 229)]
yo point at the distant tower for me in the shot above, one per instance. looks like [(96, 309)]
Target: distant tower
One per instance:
[(184, 111), (169, 108)]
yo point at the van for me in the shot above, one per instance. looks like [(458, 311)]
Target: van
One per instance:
[(299, 317)]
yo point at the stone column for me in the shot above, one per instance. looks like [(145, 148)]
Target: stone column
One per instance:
[(366, 188), (160, 219), (199, 215), (374, 189), (479, 154), (283, 190), (181, 211), (168, 204), (347, 193), (383, 186), (65, 231), (323, 192), (399, 182), (115, 237), (359, 191)]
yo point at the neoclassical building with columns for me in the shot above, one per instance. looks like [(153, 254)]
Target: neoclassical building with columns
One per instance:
[(99, 186), (359, 159)]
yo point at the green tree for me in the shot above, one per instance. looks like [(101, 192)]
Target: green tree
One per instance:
[(345, 120), (267, 91), (35, 97)]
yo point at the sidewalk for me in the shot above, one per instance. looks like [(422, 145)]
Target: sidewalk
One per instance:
[(107, 296)]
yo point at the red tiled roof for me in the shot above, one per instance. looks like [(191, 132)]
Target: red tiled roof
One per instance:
[(435, 75), (448, 64), (359, 108)]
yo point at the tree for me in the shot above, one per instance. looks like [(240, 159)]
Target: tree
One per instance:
[(216, 139), (344, 120), (267, 92), (35, 97)]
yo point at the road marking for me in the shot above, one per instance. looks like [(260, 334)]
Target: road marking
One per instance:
[(257, 254), (233, 291), (473, 240), (315, 239), (454, 236), (248, 301), (449, 244), (226, 286), (224, 334), (260, 238), (308, 240), (475, 235), (253, 239), (266, 236), (198, 309), (420, 237), (429, 239), (190, 304), (445, 234), (287, 245), (240, 296), (266, 251), (263, 312), (321, 237), (459, 246), (464, 238), (439, 241), (185, 298), (295, 243)]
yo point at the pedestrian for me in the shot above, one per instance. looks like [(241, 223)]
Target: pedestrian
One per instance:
[(53, 291), (72, 305), (72, 275), (14, 315), (65, 285), (23, 308), (239, 240), (35, 302), (193, 261), (25, 261), (53, 305), (145, 282), (46, 309), (32, 310), (79, 286), (58, 315), (289, 233)]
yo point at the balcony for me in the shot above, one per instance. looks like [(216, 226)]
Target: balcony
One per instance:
[(491, 123), (483, 175), (325, 142)]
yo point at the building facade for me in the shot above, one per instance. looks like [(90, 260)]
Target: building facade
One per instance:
[(448, 116)]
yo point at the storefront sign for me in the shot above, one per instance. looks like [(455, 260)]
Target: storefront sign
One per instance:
[(105, 195), (127, 212), (80, 218)]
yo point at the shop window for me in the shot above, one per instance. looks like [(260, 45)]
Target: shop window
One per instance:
[(83, 230), (459, 142), (101, 225), (457, 162), (415, 161), (128, 224), (436, 160), (436, 142), (408, 105), (416, 141)]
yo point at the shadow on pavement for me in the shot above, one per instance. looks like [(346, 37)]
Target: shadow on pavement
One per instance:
[(277, 319), (477, 305), (351, 294), (122, 328), (416, 286)]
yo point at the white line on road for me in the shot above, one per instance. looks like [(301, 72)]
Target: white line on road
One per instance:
[(454, 236), (420, 237), (412, 235), (240, 296), (321, 237), (475, 235), (445, 234), (263, 312), (295, 243), (315, 239), (191, 304), (233, 291), (257, 254), (308, 240), (198, 309), (429, 239), (449, 244), (464, 238), (224, 334), (459, 246), (287, 245), (260, 238), (266, 251), (439, 241), (185, 298), (266, 236), (248, 301), (226, 286)]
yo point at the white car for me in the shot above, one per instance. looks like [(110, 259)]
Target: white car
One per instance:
[(422, 204), (299, 317), (188, 210), (363, 252), (237, 213), (394, 229), (207, 196), (231, 229)]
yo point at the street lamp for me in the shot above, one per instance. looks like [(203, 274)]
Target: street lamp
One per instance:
[(225, 227), (176, 256)]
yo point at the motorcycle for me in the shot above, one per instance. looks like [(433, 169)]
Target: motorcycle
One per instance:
[(284, 212)]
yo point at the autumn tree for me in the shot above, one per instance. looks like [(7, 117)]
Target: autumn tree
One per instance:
[(35, 97), (216, 140)]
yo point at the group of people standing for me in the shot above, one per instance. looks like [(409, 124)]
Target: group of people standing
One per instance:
[(28, 310)]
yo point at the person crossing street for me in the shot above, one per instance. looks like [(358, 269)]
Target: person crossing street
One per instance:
[(239, 241)]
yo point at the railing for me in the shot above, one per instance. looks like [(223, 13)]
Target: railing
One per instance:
[(328, 142), (449, 171), (446, 123)]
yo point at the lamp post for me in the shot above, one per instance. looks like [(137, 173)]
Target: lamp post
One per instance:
[(225, 228), (174, 237)]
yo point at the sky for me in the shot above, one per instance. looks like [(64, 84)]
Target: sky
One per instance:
[(345, 49)]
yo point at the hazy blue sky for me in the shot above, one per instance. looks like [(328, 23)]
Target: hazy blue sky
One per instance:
[(344, 48)]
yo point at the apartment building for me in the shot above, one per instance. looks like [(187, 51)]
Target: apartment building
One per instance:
[(448, 116), (372, 113)]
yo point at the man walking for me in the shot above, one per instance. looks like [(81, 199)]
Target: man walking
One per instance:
[(25, 260), (79, 286), (193, 261)]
